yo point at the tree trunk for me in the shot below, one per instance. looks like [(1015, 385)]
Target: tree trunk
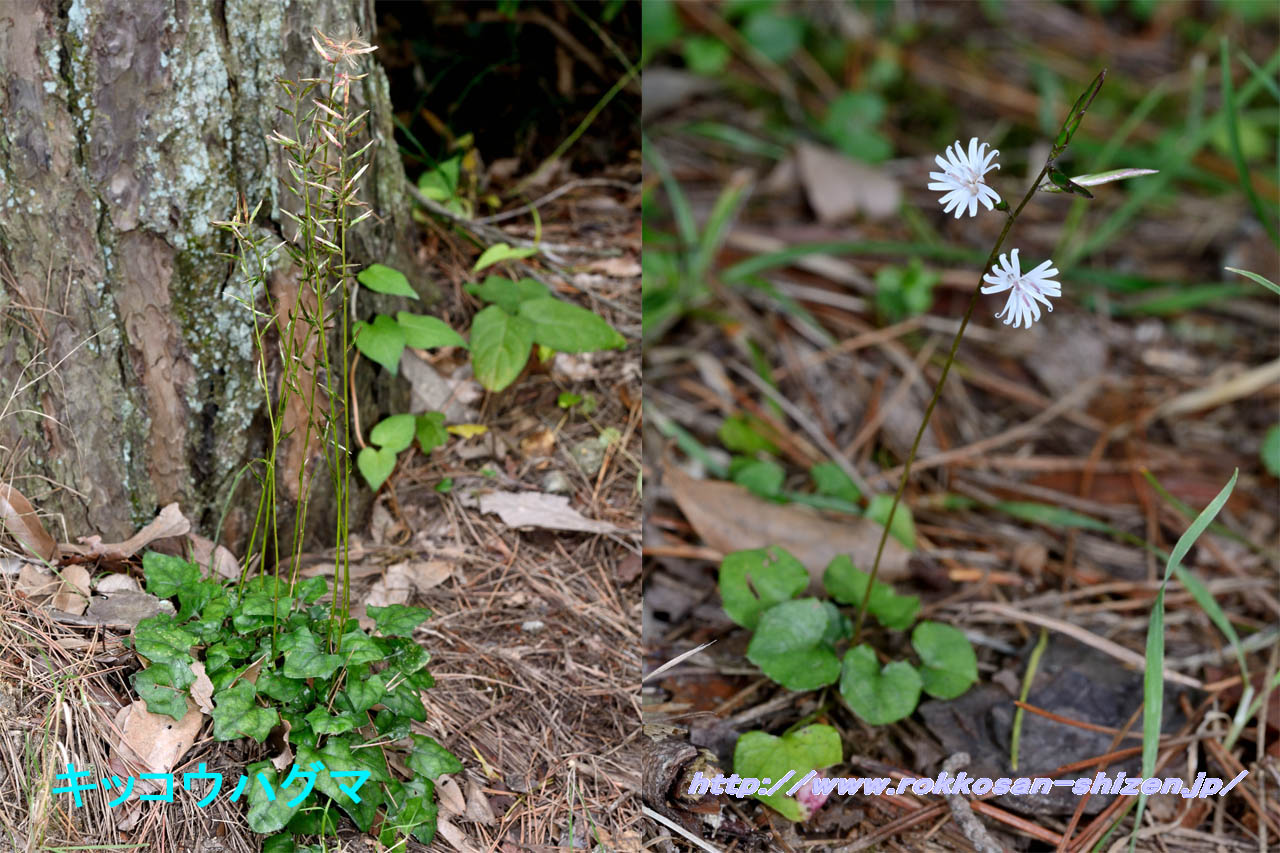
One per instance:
[(127, 366)]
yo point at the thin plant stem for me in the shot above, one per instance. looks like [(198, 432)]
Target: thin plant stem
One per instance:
[(937, 392), (1074, 117)]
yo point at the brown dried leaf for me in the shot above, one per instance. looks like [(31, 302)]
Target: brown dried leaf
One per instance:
[(203, 552), (73, 593), (839, 187), (534, 509), (19, 520), (36, 582), (450, 797), (730, 518), (168, 523), (156, 740), (202, 689), (478, 808)]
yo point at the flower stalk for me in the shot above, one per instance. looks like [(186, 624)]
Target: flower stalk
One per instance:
[(1050, 167)]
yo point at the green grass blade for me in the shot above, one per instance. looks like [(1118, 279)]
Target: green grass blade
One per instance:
[(1267, 82), (680, 209), (1233, 136), (1153, 678), (1265, 282)]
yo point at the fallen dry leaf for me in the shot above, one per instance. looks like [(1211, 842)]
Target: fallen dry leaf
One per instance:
[(36, 582), (19, 520), (117, 582), (202, 689), (73, 593), (169, 522), (730, 518), (478, 808), (125, 609), (621, 267), (156, 740), (389, 589), (839, 187), (204, 553), (450, 797), (422, 575), (535, 509), (456, 838)]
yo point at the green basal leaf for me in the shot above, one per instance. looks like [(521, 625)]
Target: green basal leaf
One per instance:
[(500, 345), (381, 341), (160, 640), (790, 646), (950, 666), (569, 328), (430, 759), (385, 279), (311, 589), (402, 699), (753, 581), (424, 332), (337, 756), (878, 696), (167, 575), (903, 528), (278, 687), (307, 660), (324, 723), (394, 433), (848, 585), (761, 755), (397, 620), (358, 647), (236, 714), (831, 480), (271, 813), (156, 685)]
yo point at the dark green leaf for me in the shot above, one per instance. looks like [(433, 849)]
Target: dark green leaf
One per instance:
[(156, 686), (397, 620), (830, 479), (236, 714), (159, 640), (430, 759), (166, 575), (431, 432), (790, 645), (270, 814)]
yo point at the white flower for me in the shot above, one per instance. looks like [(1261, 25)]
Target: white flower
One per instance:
[(1025, 289), (961, 176)]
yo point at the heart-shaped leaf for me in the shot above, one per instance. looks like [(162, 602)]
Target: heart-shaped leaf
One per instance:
[(847, 585), (762, 756), (500, 252), (397, 620), (430, 759), (950, 666), (381, 341), (394, 433), (166, 574), (569, 328), (269, 813), (753, 581), (307, 660), (156, 686), (376, 465), (878, 696), (500, 345), (384, 279), (790, 644), (159, 640), (236, 714), (423, 332), (431, 432)]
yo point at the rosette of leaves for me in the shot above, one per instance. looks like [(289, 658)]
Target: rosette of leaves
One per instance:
[(802, 643), (272, 670)]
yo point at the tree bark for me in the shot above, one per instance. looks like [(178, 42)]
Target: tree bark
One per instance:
[(127, 365)]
